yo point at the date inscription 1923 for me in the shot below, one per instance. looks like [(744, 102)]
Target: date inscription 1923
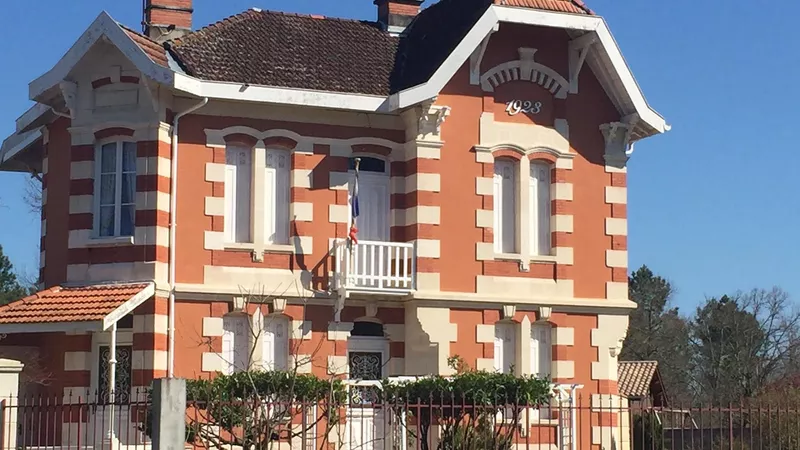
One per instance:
[(515, 107)]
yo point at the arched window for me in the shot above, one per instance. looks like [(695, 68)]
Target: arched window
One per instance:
[(238, 189), (505, 205), (539, 210), (276, 184), (115, 189)]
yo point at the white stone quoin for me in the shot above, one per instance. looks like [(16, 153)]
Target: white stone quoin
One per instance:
[(9, 393)]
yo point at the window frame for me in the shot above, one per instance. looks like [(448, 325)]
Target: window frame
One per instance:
[(119, 172)]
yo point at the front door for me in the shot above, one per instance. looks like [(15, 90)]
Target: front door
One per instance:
[(366, 420)]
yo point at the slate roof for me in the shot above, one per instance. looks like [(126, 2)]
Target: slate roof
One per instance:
[(634, 377), (278, 49), (69, 304)]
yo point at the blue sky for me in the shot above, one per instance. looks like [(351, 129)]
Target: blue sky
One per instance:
[(712, 204)]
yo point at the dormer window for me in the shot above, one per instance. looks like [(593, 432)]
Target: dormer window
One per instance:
[(115, 189)]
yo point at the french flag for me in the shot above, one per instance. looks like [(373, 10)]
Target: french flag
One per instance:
[(354, 210)]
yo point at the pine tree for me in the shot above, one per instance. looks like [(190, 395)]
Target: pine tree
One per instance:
[(10, 288)]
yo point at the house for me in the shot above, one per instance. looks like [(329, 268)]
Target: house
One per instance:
[(640, 383), (199, 185)]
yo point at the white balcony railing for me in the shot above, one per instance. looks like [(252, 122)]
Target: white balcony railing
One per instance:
[(379, 267)]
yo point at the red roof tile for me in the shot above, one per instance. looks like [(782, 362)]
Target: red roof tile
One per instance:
[(570, 6), (153, 49), (634, 377), (69, 304)]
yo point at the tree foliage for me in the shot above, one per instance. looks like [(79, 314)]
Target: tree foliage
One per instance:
[(744, 342), (10, 287), (658, 332)]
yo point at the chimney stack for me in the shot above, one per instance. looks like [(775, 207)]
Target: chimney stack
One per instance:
[(167, 19), (396, 15)]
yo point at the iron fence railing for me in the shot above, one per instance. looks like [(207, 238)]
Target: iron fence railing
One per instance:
[(583, 421)]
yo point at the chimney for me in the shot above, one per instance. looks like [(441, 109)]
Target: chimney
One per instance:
[(167, 19), (396, 15)]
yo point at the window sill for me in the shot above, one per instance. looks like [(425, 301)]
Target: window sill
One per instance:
[(240, 246), (269, 248), (279, 248), (518, 257), (110, 241)]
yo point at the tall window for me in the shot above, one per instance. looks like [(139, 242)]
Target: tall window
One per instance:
[(504, 347), (238, 188), (115, 189), (540, 209), (276, 210), (505, 206), (541, 350), (275, 343), (236, 342)]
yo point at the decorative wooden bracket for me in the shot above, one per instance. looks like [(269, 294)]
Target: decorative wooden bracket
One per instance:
[(477, 56), (69, 90), (578, 50)]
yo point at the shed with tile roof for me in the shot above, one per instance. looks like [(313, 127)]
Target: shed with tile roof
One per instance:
[(640, 382)]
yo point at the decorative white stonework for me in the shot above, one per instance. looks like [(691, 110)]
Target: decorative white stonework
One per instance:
[(526, 69), (339, 331), (213, 327), (608, 337), (301, 329), (618, 145)]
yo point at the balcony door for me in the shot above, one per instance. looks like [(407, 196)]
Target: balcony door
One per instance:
[(373, 198)]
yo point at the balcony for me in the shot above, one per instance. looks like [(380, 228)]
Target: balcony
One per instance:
[(372, 267)]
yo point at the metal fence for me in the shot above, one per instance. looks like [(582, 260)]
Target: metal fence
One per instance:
[(589, 422)]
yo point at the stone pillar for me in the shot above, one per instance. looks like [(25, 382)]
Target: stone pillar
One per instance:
[(9, 383), (169, 414)]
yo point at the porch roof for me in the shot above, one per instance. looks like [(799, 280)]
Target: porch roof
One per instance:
[(84, 308)]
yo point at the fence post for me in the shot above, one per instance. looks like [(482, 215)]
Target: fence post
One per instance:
[(169, 414), (9, 383)]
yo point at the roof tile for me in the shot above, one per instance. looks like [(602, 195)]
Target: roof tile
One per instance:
[(69, 304), (634, 377), (153, 49), (312, 52), (292, 51)]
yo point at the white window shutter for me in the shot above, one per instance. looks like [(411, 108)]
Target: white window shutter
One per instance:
[(505, 206), (277, 185), (504, 347), (541, 350), (540, 209), (234, 343), (275, 343), (281, 344), (268, 345), (498, 352), (238, 187)]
